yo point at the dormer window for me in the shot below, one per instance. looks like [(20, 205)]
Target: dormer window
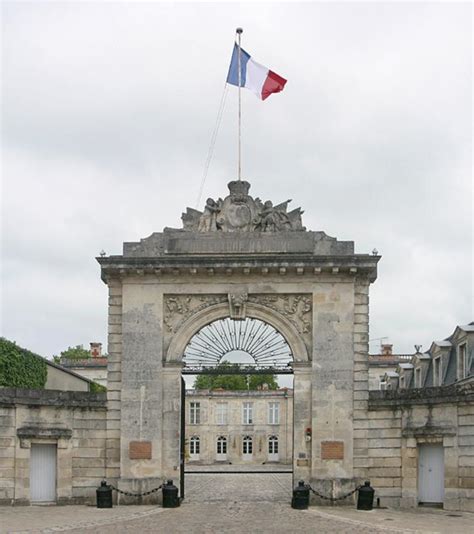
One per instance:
[(437, 371), (462, 361), (418, 377)]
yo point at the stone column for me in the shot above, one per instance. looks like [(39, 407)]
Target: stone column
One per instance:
[(301, 421), (114, 381), (171, 402)]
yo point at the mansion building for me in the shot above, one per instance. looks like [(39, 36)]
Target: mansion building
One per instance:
[(239, 427)]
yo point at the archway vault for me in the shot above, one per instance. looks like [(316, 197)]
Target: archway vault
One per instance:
[(215, 312)]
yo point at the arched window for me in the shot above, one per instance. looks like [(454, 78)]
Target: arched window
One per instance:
[(247, 446), (273, 449), (221, 445), (273, 445), (194, 446)]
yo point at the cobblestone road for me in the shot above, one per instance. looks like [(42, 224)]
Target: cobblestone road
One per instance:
[(230, 503)]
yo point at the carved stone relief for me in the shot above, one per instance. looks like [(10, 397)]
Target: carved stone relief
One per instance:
[(240, 212), (237, 306), (297, 308), (179, 308)]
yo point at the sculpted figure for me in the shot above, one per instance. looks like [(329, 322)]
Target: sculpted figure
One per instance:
[(268, 216), (207, 221)]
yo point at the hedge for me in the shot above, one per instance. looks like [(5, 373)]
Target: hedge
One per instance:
[(20, 368)]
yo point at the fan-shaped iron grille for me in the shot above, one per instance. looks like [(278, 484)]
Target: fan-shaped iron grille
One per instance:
[(209, 347)]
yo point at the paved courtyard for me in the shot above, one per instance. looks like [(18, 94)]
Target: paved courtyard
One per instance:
[(230, 503)]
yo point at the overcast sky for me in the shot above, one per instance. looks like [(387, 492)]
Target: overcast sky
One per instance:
[(108, 111)]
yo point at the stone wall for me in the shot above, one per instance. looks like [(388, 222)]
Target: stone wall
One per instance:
[(400, 421), (74, 421)]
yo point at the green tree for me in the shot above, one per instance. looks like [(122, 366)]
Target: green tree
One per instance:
[(257, 381), (232, 381), (73, 353), (20, 368)]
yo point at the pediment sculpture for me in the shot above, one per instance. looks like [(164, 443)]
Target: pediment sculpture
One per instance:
[(240, 212)]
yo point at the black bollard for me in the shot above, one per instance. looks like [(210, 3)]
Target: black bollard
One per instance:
[(365, 498), (170, 495), (300, 500), (104, 495)]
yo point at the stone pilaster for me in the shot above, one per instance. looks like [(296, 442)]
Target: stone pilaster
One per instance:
[(114, 380)]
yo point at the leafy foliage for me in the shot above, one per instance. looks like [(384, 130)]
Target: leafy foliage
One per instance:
[(97, 388), (73, 353), (234, 382), (20, 368)]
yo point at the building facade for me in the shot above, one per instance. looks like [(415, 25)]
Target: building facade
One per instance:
[(421, 428), (239, 427)]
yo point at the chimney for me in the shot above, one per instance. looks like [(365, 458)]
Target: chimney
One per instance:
[(386, 349), (96, 350)]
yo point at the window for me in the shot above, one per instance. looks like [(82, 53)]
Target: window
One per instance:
[(247, 413), (221, 413), (272, 445), (402, 382), (418, 378), (273, 413), (195, 413), (194, 445), (462, 361), (247, 445), (437, 371), (221, 445)]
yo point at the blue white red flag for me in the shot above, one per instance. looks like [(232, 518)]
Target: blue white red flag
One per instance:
[(253, 76)]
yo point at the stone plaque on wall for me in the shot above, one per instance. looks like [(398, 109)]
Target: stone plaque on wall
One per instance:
[(139, 450), (332, 450)]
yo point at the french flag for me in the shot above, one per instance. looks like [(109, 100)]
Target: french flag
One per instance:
[(260, 80)]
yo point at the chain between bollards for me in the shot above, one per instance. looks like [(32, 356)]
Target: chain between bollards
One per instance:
[(333, 499), (128, 494)]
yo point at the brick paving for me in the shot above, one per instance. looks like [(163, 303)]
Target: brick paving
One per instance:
[(230, 503)]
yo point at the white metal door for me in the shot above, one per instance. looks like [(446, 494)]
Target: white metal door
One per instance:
[(43, 473), (431, 473)]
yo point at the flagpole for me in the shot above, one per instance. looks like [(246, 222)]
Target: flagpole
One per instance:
[(239, 33)]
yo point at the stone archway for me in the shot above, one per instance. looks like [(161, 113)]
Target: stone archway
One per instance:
[(310, 287), (220, 311), (301, 373)]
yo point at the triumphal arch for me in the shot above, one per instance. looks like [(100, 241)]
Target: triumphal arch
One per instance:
[(239, 259)]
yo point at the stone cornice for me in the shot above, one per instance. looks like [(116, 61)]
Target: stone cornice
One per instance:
[(455, 393), (360, 265), (46, 397)]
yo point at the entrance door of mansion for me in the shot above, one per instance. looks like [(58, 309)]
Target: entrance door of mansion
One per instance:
[(238, 258)]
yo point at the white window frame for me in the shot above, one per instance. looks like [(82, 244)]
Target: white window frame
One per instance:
[(247, 413), (221, 443), (462, 361), (194, 446), (194, 413), (221, 413), (247, 445), (273, 445), (273, 413)]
